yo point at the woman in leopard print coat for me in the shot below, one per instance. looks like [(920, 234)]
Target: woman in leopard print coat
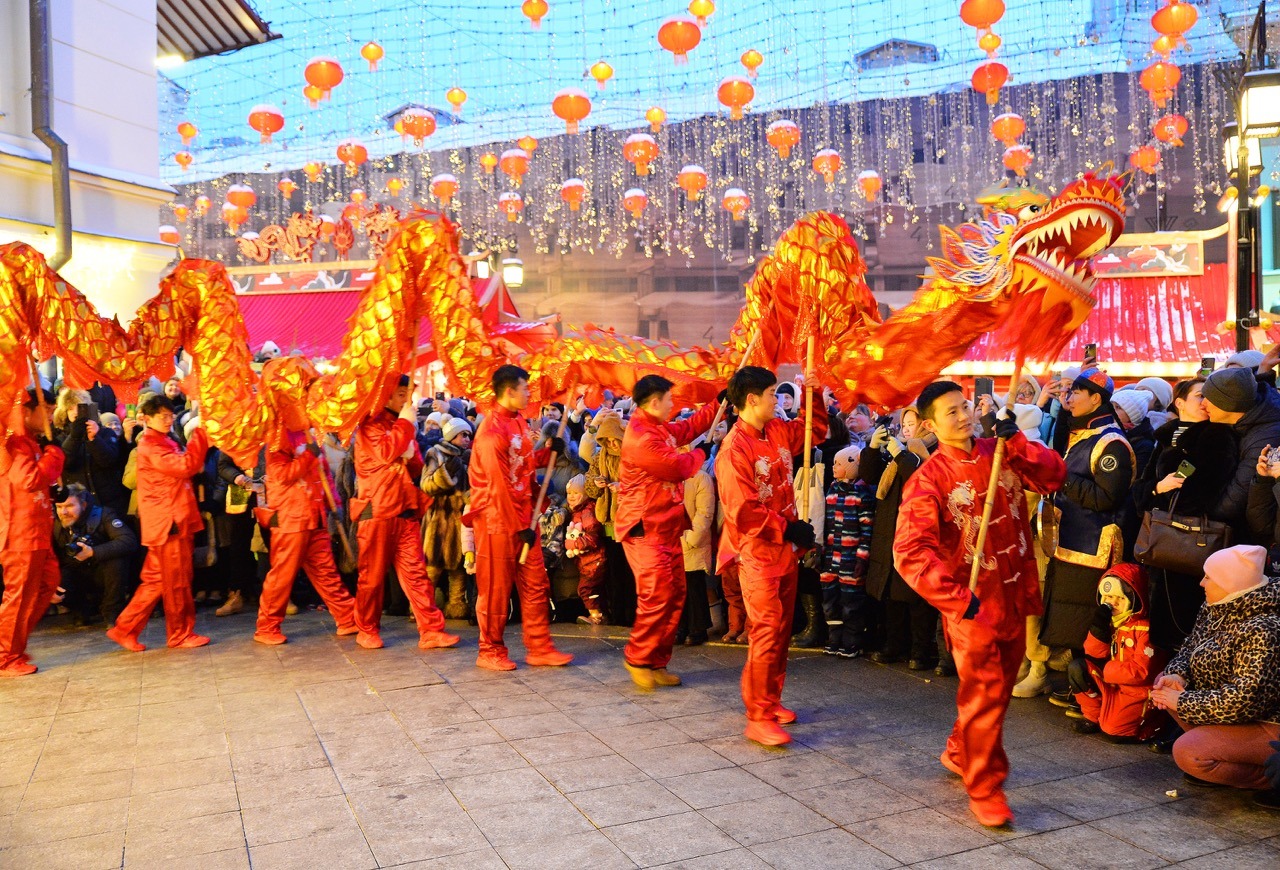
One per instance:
[(1223, 687)]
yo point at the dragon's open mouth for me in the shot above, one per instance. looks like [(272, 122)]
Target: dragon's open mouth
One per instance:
[(1059, 245)]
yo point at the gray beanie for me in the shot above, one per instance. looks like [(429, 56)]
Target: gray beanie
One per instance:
[(1248, 359), (1233, 390)]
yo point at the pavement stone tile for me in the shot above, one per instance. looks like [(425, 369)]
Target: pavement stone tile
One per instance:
[(917, 835), (500, 787), (670, 839), (582, 774), (93, 852), (832, 849), (347, 850), (713, 788), (414, 824), (855, 800), (575, 851), (763, 820), (1084, 846), (547, 818), (1255, 856), (475, 760), (629, 802), (677, 759)]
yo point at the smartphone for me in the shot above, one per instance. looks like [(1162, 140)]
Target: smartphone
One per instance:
[(89, 411), (131, 410), (440, 397), (1185, 470), (1207, 364), (1090, 355), (984, 387)]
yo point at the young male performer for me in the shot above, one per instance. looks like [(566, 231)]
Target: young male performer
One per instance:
[(26, 532), (299, 537), (942, 505), (170, 519), (762, 532), (651, 519), (502, 472), (388, 508)]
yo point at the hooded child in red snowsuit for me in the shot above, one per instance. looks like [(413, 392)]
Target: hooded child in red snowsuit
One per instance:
[(26, 533), (938, 522), (170, 519), (764, 536), (388, 510), (583, 542), (503, 475), (651, 518)]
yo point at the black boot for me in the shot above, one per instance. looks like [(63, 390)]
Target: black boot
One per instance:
[(814, 633)]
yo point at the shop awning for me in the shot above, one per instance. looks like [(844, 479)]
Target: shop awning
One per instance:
[(1142, 326), (199, 28)]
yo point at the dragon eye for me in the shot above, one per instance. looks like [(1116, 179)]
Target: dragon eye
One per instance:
[(1028, 211)]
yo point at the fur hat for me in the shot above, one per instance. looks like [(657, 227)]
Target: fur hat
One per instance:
[(453, 427), (1134, 403)]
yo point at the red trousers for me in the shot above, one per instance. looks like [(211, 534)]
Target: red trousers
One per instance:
[(988, 669), (1121, 711), (498, 568), (591, 579), (30, 579), (771, 605), (310, 551), (731, 588), (166, 573), (660, 590), (382, 544)]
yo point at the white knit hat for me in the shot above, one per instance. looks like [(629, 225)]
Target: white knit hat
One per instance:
[(1029, 418), (1159, 388), (453, 427), (1134, 403), (437, 418)]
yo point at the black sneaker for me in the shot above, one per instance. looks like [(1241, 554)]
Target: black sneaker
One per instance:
[(945, 669), (1065, 699), (881, 657), (850, 652), (1268, 799), (1084, 726), (1077, 714), (1200, 783), (830, 650)]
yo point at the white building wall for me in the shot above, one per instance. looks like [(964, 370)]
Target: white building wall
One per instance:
[(103, 87)]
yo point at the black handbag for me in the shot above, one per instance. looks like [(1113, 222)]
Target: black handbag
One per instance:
[(1177, 542)]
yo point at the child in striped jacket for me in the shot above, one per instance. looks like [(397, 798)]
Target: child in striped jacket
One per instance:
[(846, 553)]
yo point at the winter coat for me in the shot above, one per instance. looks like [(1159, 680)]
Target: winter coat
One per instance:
[(883, 580), (652, 473), (1124, 664), (1256, 429), (1100, 474), (847, 531), (584, 542), (1142, 438), (444, 479), (109, 536), (1231, 661), (700, 506), (96, 465), (1212, 448)]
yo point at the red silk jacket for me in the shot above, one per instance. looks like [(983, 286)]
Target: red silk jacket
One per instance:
[(165, 495), (652, 473), (938, 528), (385, 480), (294, 490), (26, 511), (757, 488), (503, 473)]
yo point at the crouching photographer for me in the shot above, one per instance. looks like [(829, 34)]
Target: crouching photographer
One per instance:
[(96, 551)]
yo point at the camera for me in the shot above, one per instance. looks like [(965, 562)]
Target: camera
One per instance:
[(73, 546)]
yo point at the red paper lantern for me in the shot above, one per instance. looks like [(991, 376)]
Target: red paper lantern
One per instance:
[(1146, 158), (528, 143), (827, 163), (735, 92), (655, 116), (736, 202), (394, 186), (640, 150), (571, 105), (515, 163), (1175, 19), (417, 124), (373, 53), (234, 216), (1170, 129), (242, 195), (180, 212), (354, 212), (573, 191), (981, 14), (870, 183), (489, 161), (327, 226), (202, 204), (634, 201), (456, 97), (170, 235), (286, 186), (1018, 158), (352, 153), (680, 35), (324, 73), (702, 10), (358, 196), (444, 187), (534, 10), (314, 95), (752, 59), (313, 170), (1159, 80), (989, 42), (1164, 45), (1008, 127), (187, 131), (692, 180), (783, 135), (183, 159), (511, 205), (267, 120), (989, 78)]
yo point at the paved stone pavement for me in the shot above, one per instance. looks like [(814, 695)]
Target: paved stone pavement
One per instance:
[(319, 754)]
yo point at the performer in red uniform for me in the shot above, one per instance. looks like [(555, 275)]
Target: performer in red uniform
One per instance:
[(388, 510), (170, 520), (937, 531), (762, 532), (299, 538), (650, 520), (26, 532), (502, 473)]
